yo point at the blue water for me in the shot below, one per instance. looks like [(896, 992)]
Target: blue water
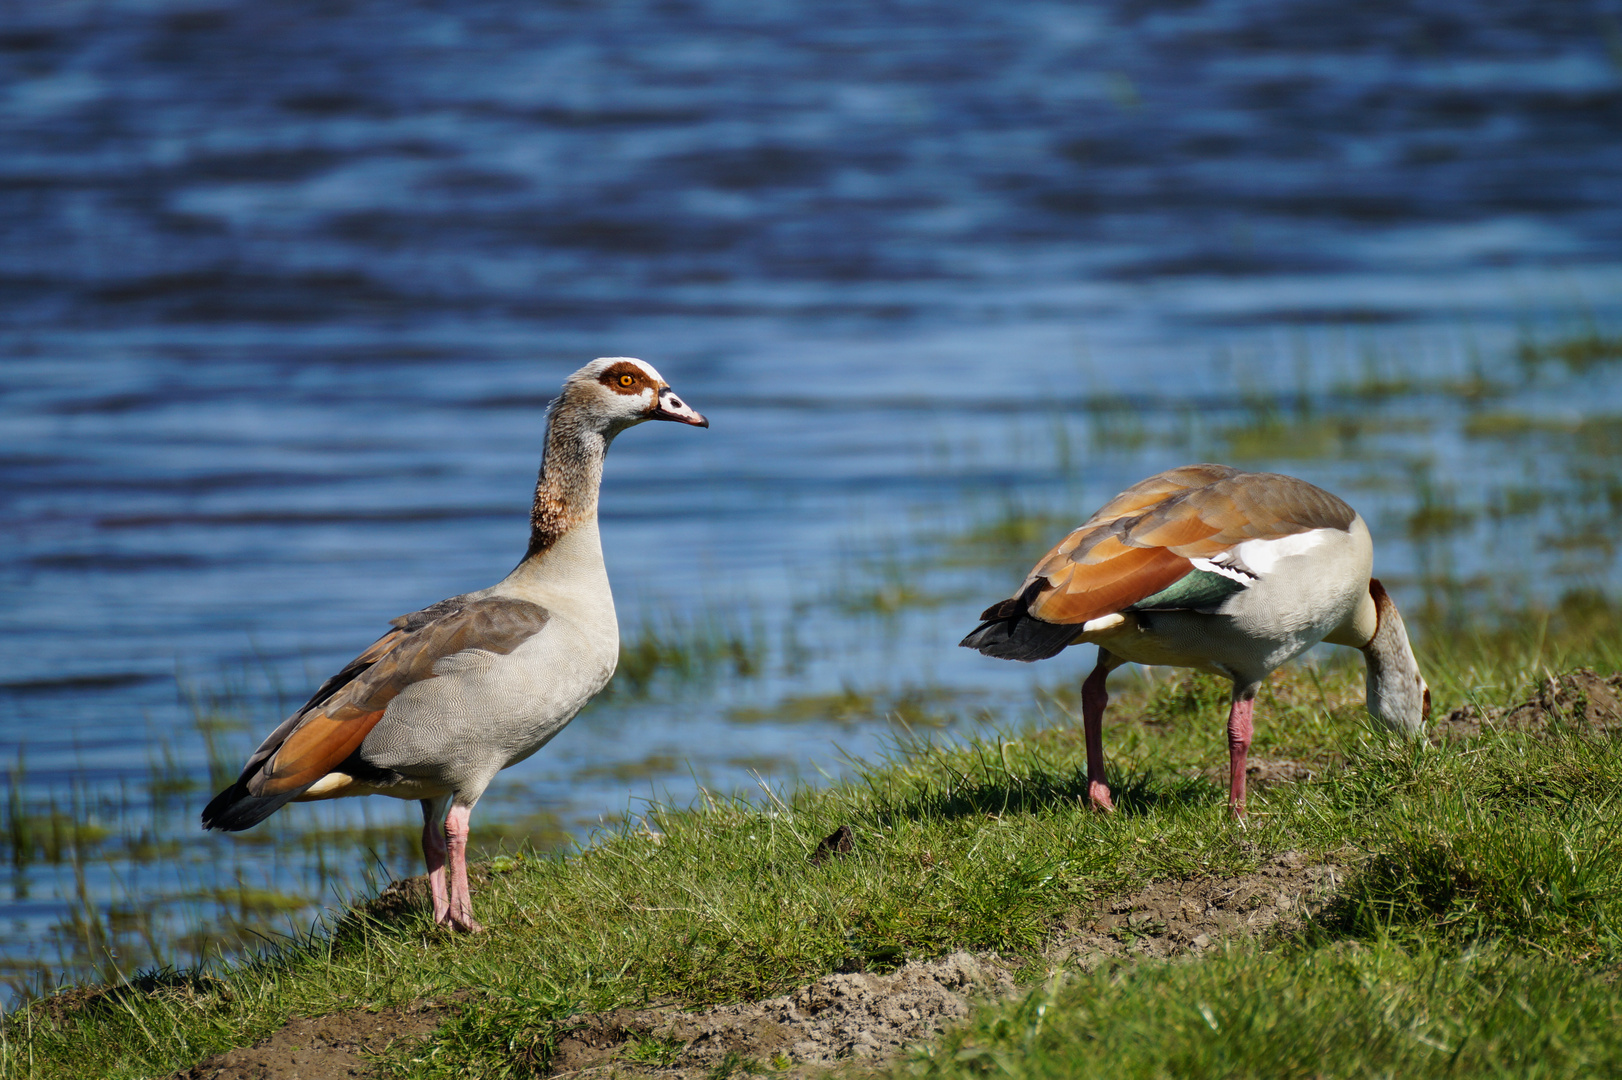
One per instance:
[(284, 289)]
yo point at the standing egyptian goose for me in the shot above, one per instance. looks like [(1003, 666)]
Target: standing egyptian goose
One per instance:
[(1224, 571), (460, 690)]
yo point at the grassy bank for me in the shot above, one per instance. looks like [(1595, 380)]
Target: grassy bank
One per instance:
[(1479, 936), (1480, 917)]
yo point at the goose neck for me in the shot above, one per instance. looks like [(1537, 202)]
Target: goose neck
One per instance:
[(566, 489), (1397, 694)]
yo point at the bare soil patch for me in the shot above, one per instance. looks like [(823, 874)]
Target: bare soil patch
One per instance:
[(1265, 772), (323, 1048), (1582, 698), (836, 1018), (1170, 918)]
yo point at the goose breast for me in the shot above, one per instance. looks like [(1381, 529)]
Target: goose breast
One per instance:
[(484, 711)]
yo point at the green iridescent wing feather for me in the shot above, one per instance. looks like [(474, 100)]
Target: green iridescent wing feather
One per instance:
[(1198, 590)]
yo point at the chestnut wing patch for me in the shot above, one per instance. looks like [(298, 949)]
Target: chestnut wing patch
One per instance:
[(1140, 543), (334, 728)]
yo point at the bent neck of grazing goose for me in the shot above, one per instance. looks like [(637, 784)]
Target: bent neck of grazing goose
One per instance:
[(1397, 694)]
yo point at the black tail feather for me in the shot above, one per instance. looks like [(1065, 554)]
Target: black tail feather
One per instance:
[(234, 809), (1020, 637)]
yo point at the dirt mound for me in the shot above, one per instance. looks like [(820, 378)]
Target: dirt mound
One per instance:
[(1168, 918), (324, 1048), (1582, 698), (837, 1018), (407, 898), (871, 1017)]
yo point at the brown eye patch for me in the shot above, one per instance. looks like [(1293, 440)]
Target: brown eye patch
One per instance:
[(625, 379)]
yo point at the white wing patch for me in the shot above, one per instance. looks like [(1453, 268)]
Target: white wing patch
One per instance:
[(1224, 564), (1261, 557)]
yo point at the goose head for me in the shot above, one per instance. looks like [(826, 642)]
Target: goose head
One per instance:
[(613, 393), (1397, 694)]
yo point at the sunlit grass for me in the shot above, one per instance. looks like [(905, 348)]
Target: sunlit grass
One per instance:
[(1478, 936), (1304, 1011), (1504, 843)]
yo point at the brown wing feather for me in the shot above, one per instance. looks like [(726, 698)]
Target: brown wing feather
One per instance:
[(1141, 541), (1098, 590), (1156, 489), (1174, 531), (315, 749), (333, 726), (359, 664)]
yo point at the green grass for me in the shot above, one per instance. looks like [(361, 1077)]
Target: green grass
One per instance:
[(1298, 1011), (1480, 936), (1519, 844), (1489, 883)]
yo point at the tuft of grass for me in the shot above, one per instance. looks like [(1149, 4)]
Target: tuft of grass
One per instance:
[(1011, 535), (1272, 434), (911, 707), (655, 1051), (510, 1035), (1519, 841)]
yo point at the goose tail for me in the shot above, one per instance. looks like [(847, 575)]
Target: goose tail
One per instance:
[(1008, 632), (236, 808)]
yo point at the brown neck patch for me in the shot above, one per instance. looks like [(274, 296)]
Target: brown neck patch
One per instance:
[(566, 489)]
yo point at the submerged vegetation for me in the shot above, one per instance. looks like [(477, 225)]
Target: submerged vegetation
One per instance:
[(1578, 352), (676, 650)]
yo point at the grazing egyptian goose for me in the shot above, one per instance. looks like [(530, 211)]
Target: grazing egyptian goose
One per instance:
[(1224, 571), (460, 690)]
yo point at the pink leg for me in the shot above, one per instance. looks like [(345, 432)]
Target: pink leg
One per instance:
[(1094, 697), (433, 853), (460, 915), (1240, 728)]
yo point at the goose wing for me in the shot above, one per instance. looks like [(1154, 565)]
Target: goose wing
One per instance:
[(1144, 542), (332, 724)]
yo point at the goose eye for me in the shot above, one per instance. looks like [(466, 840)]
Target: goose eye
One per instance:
[(626, 380)]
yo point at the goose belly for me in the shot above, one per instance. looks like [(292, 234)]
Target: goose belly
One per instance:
[(484, 711), (1298, 601)]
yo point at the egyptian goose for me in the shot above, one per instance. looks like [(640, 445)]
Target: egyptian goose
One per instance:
[(1211, 568), (460, 690)]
